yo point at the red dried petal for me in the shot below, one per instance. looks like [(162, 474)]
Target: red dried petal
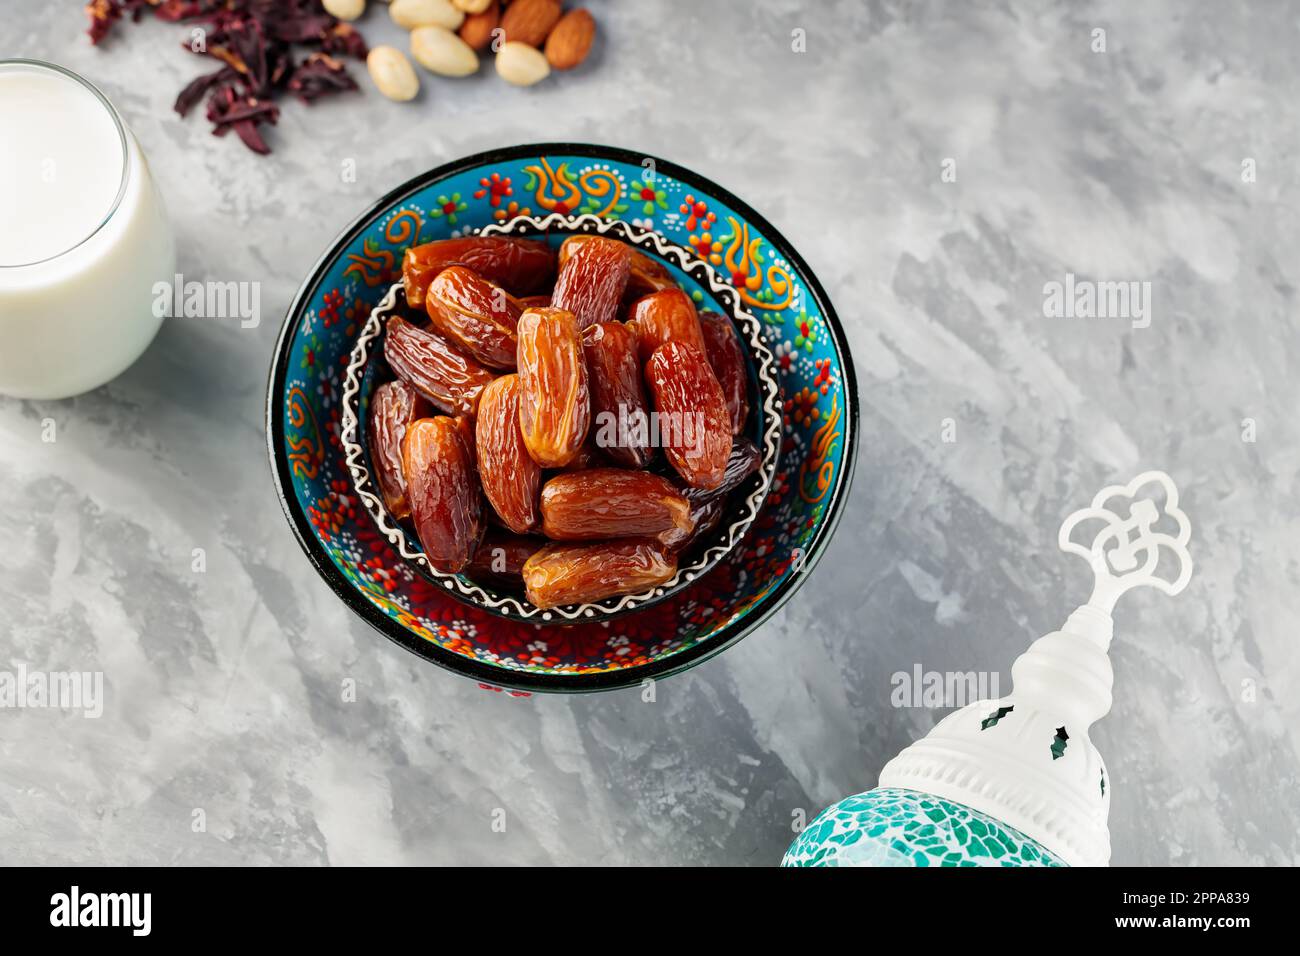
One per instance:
[(254, 41), (320, 75)]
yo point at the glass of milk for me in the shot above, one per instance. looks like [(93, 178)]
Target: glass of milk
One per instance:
[(83, 236)]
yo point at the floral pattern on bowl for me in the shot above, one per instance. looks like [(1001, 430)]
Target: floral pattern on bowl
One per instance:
[(818, 428)]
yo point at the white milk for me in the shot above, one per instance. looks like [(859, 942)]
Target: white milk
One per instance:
[(83, 236)]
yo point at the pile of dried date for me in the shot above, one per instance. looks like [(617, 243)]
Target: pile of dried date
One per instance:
[(555, 411)]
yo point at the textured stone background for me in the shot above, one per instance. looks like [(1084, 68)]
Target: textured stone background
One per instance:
[(223, 688)]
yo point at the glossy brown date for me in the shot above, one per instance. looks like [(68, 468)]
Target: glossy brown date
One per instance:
[(446, 505), (393, 407), (707, 515), (522, 266), (508, 473), (694, 426), (620, 419), (646, 275), (578, 573), (602, 503), (663, 317), (554, 408), (727, 359), (501, 555), (593, 279), (432, 365), (741, 463), (475, 315)]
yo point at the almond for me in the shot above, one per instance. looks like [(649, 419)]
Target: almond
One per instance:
[(570, 41), (521, 64), (392, 72), (344, 9), (440, 51), (472, 6), (477, 28), (529, 21), (409, 14)]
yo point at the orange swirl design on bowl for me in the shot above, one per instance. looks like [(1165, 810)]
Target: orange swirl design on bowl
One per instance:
[(555, 190), (817, 465), (744, 259), (599, 183), (307, 452)]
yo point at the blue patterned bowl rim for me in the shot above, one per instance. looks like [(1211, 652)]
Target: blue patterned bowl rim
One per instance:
[(476, 669)]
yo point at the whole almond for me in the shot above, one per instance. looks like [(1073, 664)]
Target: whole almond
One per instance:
[(529, 21), (440, 51), (472, 6), (570, 41), (477, 28), (409, 14), (344, 9), (521, 64), (392, 72)]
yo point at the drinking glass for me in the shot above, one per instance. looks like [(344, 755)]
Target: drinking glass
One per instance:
[(84, 239)]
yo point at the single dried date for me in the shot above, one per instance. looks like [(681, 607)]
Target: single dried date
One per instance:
[(705, 514), (554, 408), (727, 359), (509, 475), (694, 427), (602, 503), (520, 266), (475, 315), (741, 463), (450, 380), (446, 504), (593, 279), (578, 573), (619, 416), (393, 407), (662, 317), (645, 276)]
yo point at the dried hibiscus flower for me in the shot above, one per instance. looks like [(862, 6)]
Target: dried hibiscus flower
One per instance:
[(254, 40)]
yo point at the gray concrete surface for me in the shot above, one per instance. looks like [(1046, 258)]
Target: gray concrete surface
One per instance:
[(223, 688)]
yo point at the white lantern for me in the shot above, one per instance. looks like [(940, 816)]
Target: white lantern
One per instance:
[(1018, 781)]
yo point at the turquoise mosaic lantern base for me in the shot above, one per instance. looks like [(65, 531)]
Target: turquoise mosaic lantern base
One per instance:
[(894, 827)]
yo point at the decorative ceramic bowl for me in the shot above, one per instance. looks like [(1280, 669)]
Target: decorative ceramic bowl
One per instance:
[(813, 369), (707, 287)]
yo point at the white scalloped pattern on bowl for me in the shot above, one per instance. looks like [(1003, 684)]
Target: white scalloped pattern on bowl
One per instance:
[(506, 605)]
